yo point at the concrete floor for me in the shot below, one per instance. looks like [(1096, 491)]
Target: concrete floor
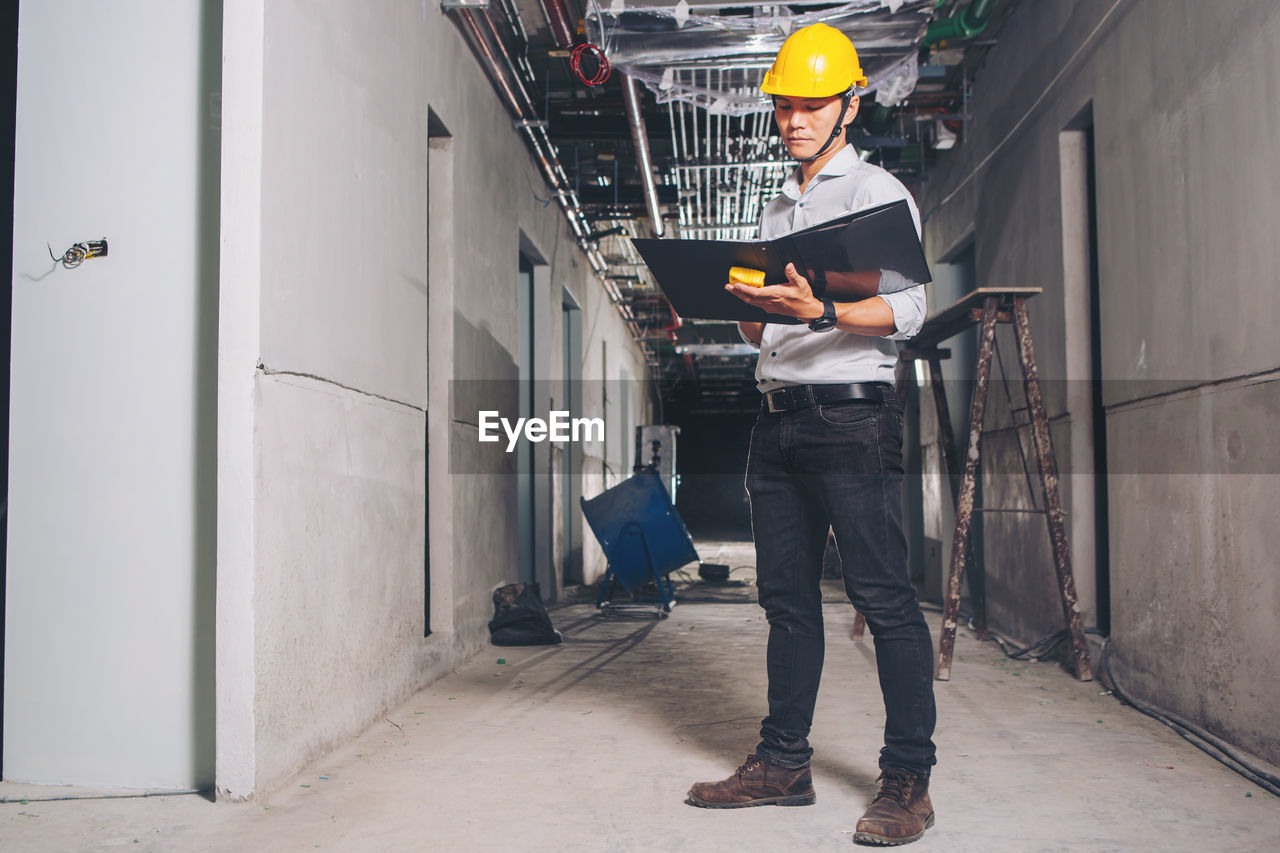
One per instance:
[(591, 746)]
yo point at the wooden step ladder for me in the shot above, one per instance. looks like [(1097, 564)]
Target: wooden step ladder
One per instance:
[(987, 306)]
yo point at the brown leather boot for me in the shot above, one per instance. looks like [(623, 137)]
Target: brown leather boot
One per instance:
[(756, 783), (900, 811)]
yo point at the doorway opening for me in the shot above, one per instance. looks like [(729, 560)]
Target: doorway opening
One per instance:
[(571, 467), (525, 501), (439, 206), (1083, 326)]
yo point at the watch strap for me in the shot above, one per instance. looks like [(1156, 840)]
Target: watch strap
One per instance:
[(828, 319)]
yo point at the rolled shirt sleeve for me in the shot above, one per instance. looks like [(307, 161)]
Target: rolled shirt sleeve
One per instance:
[(906, 298), (908, 309)]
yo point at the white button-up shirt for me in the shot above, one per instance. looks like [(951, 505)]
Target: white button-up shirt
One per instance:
[(795, 355)]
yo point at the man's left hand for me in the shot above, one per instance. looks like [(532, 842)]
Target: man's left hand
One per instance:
[(793, 299)]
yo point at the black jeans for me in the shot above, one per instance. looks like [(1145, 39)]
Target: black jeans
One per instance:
[(837, 466)]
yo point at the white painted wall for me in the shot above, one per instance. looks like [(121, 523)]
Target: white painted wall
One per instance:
[(239, 332), (384, 272), (340, 379), (351, 262), (108, 670)]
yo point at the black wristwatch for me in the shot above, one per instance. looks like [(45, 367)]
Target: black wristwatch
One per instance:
[(827, 321)]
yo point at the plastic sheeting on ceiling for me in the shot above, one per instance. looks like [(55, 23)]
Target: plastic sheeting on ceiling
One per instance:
[(714, 55)]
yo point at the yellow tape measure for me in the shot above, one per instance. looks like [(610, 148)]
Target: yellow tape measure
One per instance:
[(747, 276)]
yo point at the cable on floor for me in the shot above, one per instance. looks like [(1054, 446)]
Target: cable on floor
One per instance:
[(1206, 742)]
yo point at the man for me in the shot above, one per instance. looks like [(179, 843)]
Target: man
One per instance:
[(826, 452)]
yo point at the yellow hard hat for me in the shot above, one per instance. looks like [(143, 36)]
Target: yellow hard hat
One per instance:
[(816, 61)]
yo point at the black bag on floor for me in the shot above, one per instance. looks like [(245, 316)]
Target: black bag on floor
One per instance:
[(520, 618)]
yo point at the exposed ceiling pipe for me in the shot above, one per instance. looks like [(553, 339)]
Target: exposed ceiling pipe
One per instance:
[(558, 20), (640, 137), (481, 34), (481, 46), (961, 25), (524, 106), (597, 236)]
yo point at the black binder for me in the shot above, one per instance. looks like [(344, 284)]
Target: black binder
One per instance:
[(842, 259)]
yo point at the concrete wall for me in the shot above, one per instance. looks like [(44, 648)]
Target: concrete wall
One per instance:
[(381, 200), (1182, 98), (109, 669)]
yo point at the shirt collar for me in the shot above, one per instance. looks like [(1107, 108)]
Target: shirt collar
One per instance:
[(841, 164)]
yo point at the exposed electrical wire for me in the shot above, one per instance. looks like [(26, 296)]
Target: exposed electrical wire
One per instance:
[(78, 253), (1045, 648), (602, 64), (1048, 647), (710, 723), (539, 199), (1206, 742)]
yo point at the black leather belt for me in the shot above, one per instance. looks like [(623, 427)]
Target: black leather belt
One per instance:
[(807, 396)]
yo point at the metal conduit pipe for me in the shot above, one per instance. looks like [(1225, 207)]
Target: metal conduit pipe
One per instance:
[(640, 137), (488, 45), (523, 107), (492, 48), (514, 18), (558, 21), (481, 47), (680, 180)]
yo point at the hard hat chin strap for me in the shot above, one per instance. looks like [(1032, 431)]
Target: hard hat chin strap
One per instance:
[(835, 131)]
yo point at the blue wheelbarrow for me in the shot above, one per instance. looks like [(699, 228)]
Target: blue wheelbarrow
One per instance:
[(644, 540)]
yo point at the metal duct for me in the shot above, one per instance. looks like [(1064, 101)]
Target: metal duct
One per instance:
[(639, 136)]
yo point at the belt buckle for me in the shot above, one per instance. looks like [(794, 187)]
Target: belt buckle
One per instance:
[(769, 397)]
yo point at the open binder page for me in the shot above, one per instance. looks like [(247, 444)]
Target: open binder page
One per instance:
[(842, 259)]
